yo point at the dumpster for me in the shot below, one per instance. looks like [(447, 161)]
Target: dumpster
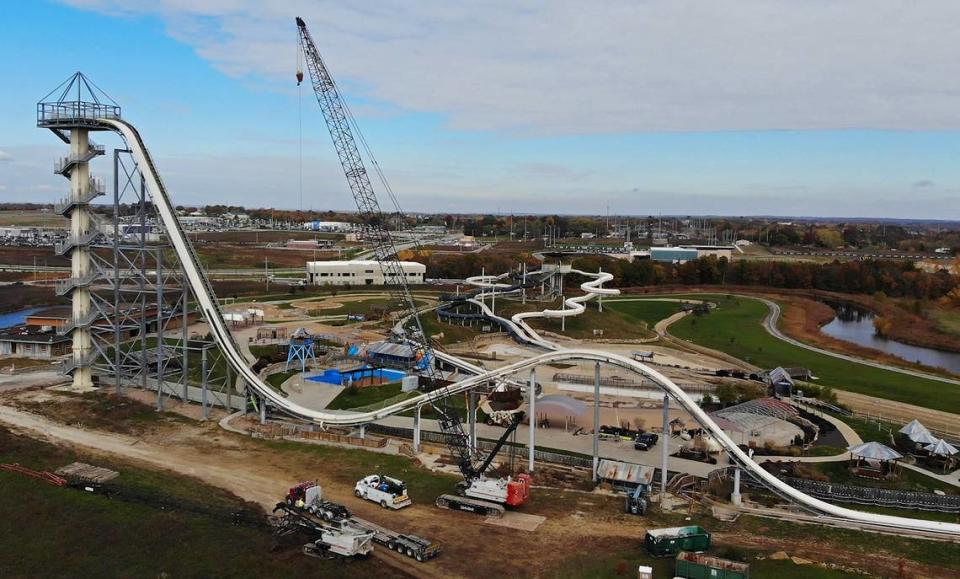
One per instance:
[(700, 566), (669, 542)]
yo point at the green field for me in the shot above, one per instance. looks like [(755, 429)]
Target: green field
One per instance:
[(649, 312), (355, 398), (50, 531), (736, 327), (625, 565)]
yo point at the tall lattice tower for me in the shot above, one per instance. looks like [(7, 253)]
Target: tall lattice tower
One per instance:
[(72, 111)]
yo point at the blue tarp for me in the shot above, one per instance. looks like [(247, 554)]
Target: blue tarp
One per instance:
[(334, 376)]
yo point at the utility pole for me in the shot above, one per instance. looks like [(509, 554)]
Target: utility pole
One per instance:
[(266, 273)]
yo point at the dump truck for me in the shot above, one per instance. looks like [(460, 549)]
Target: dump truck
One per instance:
[(668, 542), (701, 566)]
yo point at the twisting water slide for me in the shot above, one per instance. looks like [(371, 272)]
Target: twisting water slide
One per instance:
[(211, 311), (517, 324)]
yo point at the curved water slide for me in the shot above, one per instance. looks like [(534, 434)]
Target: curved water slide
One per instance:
[(211, 311), (573, 306)]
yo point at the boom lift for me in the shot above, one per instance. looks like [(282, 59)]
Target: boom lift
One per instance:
[(341, 126)]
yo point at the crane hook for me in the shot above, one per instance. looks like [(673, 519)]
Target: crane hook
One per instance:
[(299, 76)]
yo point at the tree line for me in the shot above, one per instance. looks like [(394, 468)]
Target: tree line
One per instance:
[(892, 278)]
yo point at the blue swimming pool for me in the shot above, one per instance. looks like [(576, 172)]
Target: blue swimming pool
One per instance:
[(338, 377)]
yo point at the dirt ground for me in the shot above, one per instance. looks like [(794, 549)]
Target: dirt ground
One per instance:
[(576, 523)]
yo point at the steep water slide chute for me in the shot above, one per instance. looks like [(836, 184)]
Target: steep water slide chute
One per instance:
[(211, 311)]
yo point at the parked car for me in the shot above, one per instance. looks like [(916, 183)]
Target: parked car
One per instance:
[(645, 440)]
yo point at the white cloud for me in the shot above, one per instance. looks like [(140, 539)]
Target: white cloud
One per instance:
[(620, 66), (4, 156)]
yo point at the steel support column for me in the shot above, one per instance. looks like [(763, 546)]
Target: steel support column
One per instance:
[(596, 419), (532, 407), (416, 429), (664, 449), (472, 419)]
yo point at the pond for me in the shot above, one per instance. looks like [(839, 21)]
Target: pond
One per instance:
[(16, 318), (855, 324)]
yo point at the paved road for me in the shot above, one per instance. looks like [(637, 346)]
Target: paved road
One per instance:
[(770, 324)]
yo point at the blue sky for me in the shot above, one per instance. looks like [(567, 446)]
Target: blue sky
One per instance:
[(736, 108)]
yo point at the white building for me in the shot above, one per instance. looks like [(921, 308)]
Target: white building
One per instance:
[(358, 272), (329, 226)]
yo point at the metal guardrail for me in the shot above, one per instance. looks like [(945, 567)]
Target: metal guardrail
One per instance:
[(627, 383), (876, 496), (69, 243), (60, 166), (440, 438), (64, 286), (78, 322), (95, 189)]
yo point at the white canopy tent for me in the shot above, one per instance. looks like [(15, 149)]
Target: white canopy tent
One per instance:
[(941, 448), (875, 451), (914, 429)]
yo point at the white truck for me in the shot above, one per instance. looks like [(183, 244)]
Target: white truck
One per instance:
[(388, 492)]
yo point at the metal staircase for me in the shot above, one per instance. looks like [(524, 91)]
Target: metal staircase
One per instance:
[(65, 165), (64, 286), (78, 323), (69, 243), (95, 189), (87, 358)]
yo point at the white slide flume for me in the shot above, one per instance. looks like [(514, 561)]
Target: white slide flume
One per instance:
[(211, 311)]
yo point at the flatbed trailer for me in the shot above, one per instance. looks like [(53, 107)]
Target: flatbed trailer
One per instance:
[(412, 546)]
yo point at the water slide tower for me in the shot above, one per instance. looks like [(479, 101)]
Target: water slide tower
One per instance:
[(72, 111)]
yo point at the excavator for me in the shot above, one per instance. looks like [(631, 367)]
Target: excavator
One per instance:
[(477, 493)]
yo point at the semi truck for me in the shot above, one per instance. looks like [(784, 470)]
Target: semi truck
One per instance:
[(308, 496)]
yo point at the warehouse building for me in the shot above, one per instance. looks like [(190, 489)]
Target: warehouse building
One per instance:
[(359, 272), (673, 254)]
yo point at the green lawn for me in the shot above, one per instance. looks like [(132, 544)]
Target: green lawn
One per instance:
[(736, 327), (615, 324), (624, 564), (50, 531), (353, 398), (649, 312), (452, 334)]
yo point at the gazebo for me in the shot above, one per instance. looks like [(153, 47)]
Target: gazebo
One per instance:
[(914, 429), (873, 460), (941, 453)]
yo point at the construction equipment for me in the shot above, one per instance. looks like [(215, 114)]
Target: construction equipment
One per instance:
[(337, 538), (388, 492), (487, 496), (308, 496), (341, 126), (412, 546), (340, 533), (636, 502)]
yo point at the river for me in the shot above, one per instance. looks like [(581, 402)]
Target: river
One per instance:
[(854, 324), (15, 318)]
